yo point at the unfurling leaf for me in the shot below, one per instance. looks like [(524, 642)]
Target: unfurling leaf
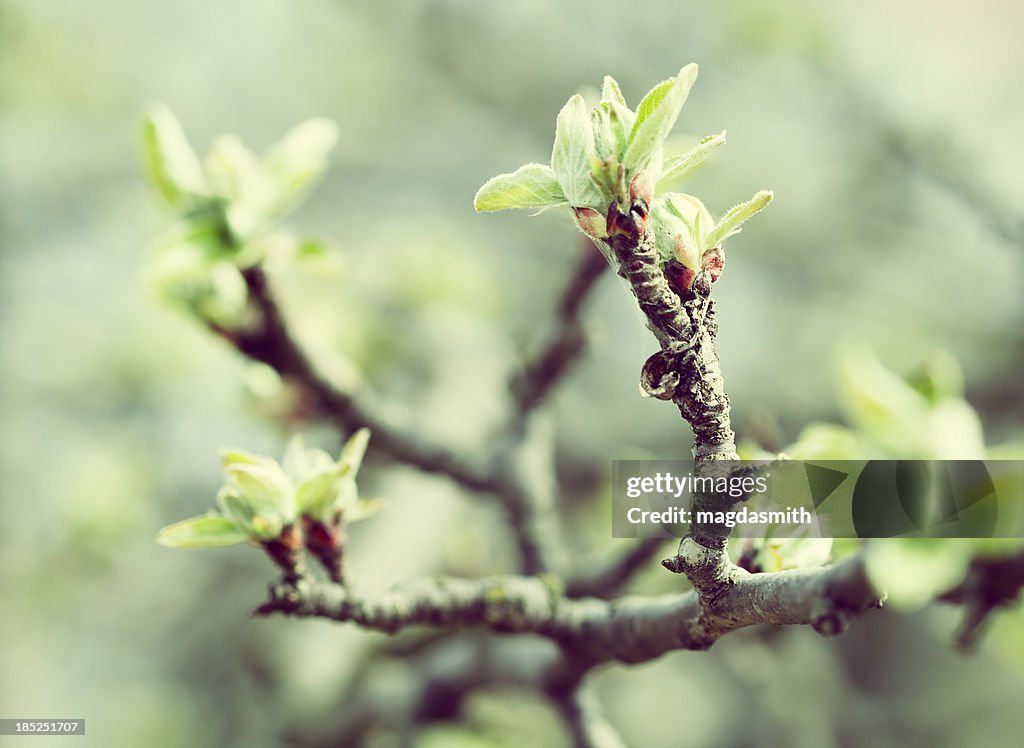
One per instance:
[(913, 571), (678, 220), (730, 223), (529, 186), (172, 164), (263, 484), (297, 161), (571, 155), (678, 167), (656, 116), (353, 452), (207, 531), (611, 92)]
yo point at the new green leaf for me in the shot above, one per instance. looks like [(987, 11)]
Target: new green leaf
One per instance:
[(913, 571), (207, 531), (172, 164), (730, 223), (529, 186), (679, 166), (571, 154), (610, 91), (298, 161), (353, 452), (656, 116)]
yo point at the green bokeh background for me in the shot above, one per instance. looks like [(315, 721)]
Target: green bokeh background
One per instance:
[(890, 133)]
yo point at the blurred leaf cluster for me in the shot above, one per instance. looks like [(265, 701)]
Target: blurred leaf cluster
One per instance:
[(228, 207)]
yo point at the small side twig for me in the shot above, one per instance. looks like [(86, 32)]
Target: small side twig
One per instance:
[(606, 580), (531, 385), (990, 584), (269, 341), (584, 716), (589, 631)]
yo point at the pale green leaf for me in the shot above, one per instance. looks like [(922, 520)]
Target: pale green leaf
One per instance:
[(656, 116), (234, 171), (353, 452), (267, 526), (295, 164), (343, 495), (953, 431), (939, 378), (914, 571), (318, 490), (730, 223), (302, 463), (172, 164), (826, 441), (680, 166), (779, 554), (235, 508), (294, 461), (677, 219), (609, 132), (235, 456), (529, 186), (263, 484), (881, 404), (611, 92), (227, 299), (571, 155), (208, 531), (362, 509)]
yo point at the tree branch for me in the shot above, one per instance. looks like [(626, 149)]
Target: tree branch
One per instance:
[(591, 631), (687, 371), (584, 716)]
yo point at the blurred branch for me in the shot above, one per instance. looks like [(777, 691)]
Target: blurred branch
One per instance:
[(591, 631), (935, 158), (270, 342), (990, 584), (440, 677), (539, 376), (521, 489), (606, 579), (585, 718), (524, 456)]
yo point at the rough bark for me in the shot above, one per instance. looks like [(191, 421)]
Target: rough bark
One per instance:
[(592, 631)]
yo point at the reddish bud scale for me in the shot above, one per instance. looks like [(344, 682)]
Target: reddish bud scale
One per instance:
[(286, 551), (320, 537), (631, 225), (591, 222), (680, 278), (714, 262), (327, 543), (641, 188)]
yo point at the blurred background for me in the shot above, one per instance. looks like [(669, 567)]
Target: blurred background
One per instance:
[(890, 133)]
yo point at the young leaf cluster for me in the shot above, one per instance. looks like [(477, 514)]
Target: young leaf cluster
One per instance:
[(228, 205), (610, 154), (261, 497)]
